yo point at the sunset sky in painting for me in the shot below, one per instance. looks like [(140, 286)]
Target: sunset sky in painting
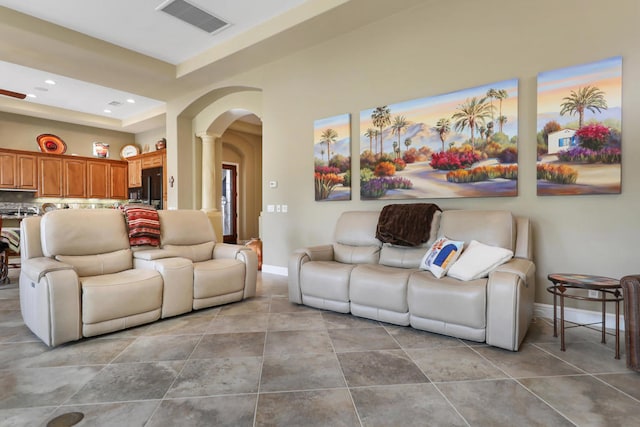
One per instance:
[(557, 84), (430, 110), (340, 123)]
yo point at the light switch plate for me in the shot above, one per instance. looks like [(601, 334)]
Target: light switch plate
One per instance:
[(271, 208)]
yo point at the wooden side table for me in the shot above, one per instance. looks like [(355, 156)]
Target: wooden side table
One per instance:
[(609, 290)]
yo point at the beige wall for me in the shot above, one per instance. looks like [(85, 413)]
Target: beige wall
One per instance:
[(438, 48), (20, 132)]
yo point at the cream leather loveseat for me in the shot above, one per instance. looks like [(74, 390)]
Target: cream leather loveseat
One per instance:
[(80, 278), (358, 274)]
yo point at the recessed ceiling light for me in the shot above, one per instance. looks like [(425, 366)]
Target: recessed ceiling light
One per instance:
[(106, 110), (41, 89), (50, 82), (131, 101), (30, 95)]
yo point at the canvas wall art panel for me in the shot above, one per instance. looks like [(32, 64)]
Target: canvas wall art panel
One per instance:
[(332, 158), (459, 144), (579, 129)]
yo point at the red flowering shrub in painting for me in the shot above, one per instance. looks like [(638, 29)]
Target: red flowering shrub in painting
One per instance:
[(454, 159), (593, 136)]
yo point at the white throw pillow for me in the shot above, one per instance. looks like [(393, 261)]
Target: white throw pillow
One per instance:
[(441, 256), (478, 260)]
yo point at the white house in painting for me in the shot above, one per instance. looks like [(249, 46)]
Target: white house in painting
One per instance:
[(561, 140)]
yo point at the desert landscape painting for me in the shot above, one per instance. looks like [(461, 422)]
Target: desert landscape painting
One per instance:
[(579, 127), (332, 158), (459, 144)]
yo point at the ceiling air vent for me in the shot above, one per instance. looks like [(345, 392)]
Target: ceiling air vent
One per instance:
[(193, 15)]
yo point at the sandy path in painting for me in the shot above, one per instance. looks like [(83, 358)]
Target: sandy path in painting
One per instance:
[(431, 183), (426, 180)]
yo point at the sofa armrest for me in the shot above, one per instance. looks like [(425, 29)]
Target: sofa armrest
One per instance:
[(227, 250), (319, 253), (37, 268), (50, 300), (510, 296), (250, 259), (177, 280)]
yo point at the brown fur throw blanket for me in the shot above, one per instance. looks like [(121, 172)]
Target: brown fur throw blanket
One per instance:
[(406, 224)]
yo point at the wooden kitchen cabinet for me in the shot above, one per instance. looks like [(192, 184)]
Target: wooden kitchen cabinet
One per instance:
[(106, 179), (18, 170), (50, 176), (135, 173), (55, 175), (27, 172), (98, 179), (74, 178), (8, 170), (118, 181)]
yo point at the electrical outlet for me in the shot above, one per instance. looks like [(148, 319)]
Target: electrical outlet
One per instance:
[(594, 294)]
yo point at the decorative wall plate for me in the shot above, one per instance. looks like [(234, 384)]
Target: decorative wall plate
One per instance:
[(52, 144), (48, 207), (129, 150)]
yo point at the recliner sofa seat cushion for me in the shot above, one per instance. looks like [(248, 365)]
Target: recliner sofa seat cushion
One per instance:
[(113, 296), (326, 280), (448, 300), (380, 286), (217, 277)]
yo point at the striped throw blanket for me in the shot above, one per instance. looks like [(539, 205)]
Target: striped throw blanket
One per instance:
[(144, 225), (12, 237)]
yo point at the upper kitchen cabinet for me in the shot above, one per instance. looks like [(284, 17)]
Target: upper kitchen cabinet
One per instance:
[(135, 173), (74, 177), (98, 179), (118, 181), (106, 179), (18, 170), (50, 176)]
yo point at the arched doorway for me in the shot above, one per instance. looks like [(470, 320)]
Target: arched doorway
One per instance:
[(207, 130)]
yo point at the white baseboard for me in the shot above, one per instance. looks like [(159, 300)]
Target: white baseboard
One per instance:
[(578, 315), (274, 269)]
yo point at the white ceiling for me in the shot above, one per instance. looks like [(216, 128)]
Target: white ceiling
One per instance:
[(99, 52), (136, 25)]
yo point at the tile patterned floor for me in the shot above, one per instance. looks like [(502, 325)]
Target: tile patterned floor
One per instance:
[(266, 362)]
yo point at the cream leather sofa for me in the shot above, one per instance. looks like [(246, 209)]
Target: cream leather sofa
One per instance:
[(358, 274), (80, 278)]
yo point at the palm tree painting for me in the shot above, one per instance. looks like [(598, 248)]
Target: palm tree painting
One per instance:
[(579, 129), (332, 172), (451, 148)]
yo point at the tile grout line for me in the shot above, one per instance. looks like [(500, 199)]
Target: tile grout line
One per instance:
[(344, 378), (186, 361), (426, 375), (264, 349), (509, 376)]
